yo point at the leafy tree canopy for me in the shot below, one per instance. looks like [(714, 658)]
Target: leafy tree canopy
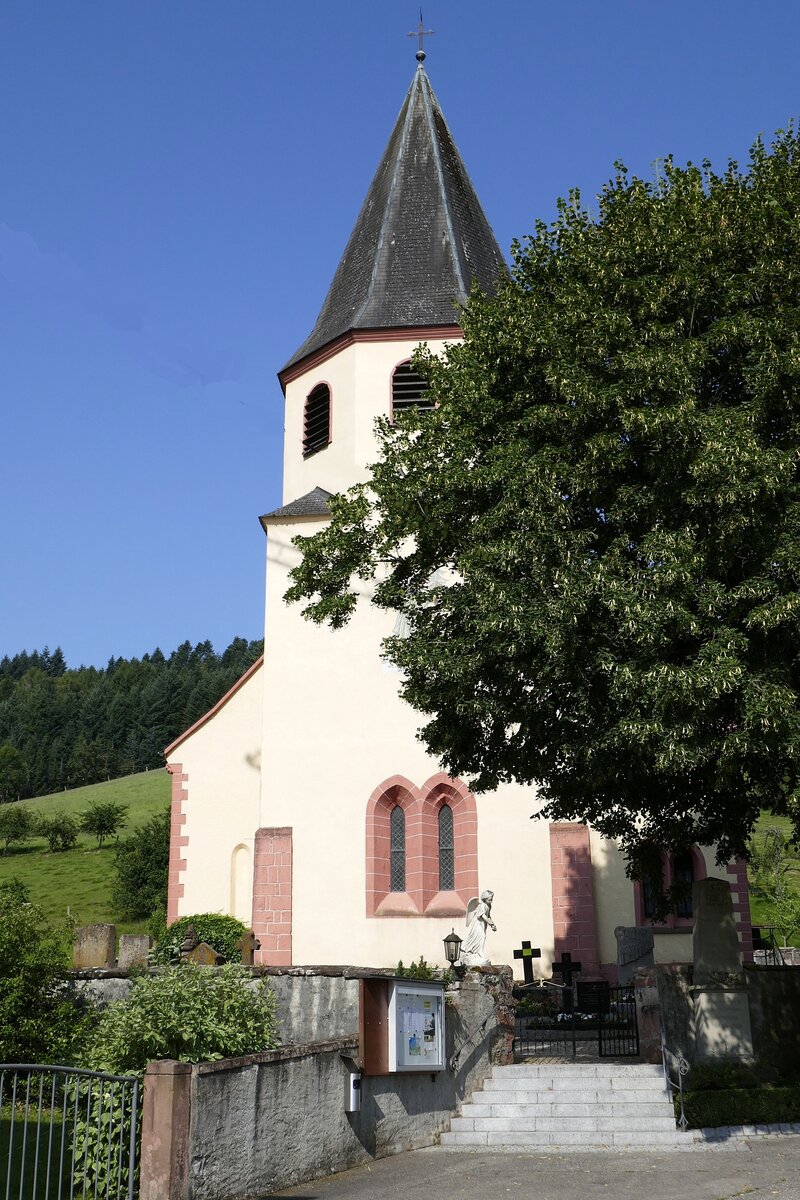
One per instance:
[(594, 539), (141, 868), (103, 819)]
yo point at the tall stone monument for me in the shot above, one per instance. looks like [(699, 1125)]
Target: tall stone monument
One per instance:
[(721, 1017)]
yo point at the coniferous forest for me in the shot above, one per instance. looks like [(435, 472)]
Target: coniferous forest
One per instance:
[(62, 727)]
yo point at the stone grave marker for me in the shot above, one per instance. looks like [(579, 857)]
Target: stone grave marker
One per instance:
[(134, 949), (721, 1018), (94, 946), (248, 944), (204, 955), (634, 950)]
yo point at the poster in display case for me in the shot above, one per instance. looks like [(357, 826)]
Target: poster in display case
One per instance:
[(416, 1026)]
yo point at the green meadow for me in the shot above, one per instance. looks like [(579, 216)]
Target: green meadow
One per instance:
[(79, 882)]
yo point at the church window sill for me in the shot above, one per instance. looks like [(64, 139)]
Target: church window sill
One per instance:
[(446, 904), (397, 904)]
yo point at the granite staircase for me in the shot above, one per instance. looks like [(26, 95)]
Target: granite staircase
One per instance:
[(568, 1106)]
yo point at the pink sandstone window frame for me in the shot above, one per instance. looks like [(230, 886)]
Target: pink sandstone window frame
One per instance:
[(421, 805), (672, 920)]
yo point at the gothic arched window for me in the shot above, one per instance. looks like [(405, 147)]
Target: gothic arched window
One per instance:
[(447, 862), (397, 850)]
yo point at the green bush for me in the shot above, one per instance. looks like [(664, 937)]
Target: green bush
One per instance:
[(219, 931), (722, 1076), (187, 1012), (741, 1106), (60, 831), (423, 970), (39, 1023), (141, 865)]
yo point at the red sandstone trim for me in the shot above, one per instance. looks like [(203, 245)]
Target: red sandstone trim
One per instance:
[(421, 807), (420, 333), (212, 712), (178, 840), (740, 894), (272, 896), (574, 928)]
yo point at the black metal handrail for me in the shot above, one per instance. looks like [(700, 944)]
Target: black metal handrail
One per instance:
[(682, 1070)]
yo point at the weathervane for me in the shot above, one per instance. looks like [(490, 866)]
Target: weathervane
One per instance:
[(421, 33)]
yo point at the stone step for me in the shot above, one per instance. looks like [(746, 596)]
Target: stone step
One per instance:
[(589, 1121), (633, 1083), (565, 1138), (601, 1109), (554, 1105), (582, 1096)]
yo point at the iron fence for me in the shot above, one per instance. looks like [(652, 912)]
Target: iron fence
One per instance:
[(67, 1134), (583, 1021)]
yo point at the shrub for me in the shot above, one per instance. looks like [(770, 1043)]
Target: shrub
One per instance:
[(38, 1020), (187, 1012), (219, 931), (60, 830), (721, 1076), (141, 865), (741, 1106), (423, 970)]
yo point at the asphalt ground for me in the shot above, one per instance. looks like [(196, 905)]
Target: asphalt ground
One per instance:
[(757, 1169)]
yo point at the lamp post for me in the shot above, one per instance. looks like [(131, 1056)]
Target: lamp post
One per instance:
[(452, 950)]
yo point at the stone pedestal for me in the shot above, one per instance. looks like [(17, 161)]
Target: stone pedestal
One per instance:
[(722, 1024), (721, 1009)]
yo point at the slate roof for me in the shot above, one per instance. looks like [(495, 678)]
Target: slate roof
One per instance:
[(313, 504), (420, 239)]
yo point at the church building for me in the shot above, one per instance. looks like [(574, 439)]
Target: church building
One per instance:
[(303, 803)]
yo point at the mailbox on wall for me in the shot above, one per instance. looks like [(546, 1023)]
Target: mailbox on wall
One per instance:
[(401, 1026)]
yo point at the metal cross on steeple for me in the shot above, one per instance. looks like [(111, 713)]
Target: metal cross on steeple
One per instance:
[(421, 33)]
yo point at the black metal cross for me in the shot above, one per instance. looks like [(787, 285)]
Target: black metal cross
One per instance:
[(421, 32), (565, 968), (527, 954)]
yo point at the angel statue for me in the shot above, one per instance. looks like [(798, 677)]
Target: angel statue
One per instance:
[(479, 916)]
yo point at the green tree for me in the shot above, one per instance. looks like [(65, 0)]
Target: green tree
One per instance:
[(141, 866), (13, 774), (594, 538), (38, 1021), (16, 825), (103, 819), (60, 830)]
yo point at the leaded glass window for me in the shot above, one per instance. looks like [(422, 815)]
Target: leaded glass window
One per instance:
[(447, 861), (684, 874), (397, 849)]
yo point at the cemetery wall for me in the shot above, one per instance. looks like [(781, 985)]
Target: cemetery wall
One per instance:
[(274, 1119)]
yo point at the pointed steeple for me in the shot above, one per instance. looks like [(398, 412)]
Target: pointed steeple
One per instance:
[(421, 237)]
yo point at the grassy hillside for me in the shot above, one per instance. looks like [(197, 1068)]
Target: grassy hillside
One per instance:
[(80, 881), (758, 906)]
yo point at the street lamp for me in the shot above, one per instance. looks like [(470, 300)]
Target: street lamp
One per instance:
[(452, 948)]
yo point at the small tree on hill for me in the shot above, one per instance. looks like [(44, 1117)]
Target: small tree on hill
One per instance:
[(16, 825), (104, 819), (60, 830)]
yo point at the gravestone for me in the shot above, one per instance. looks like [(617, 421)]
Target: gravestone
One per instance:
[(715, 943), (634, 950), (204, 955), (247, 945), (134, 949), (721, 1018), (94, 946)]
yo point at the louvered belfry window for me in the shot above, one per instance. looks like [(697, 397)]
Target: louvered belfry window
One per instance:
[(317, 420), (397, 849), (409, 390), (447, 860)]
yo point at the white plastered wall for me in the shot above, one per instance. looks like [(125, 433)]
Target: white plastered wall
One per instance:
[(222, 762)]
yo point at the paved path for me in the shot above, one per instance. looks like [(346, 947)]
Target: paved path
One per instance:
[(761, 1169)]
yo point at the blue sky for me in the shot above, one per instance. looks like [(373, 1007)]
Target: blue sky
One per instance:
[(178, 179)]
